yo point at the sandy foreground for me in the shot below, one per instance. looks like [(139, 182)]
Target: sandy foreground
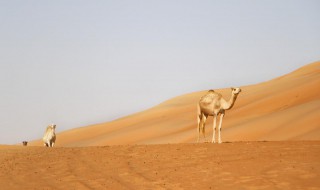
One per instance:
[(236, 165)]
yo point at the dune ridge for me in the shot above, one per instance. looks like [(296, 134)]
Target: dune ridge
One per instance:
[(284, 108)]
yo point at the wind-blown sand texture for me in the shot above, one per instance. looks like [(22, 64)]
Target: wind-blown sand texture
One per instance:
[(285, 108), (241, 165)]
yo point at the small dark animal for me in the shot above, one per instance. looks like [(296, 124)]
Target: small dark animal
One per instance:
[(24, 143)]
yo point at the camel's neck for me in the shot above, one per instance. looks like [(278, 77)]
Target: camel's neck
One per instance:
[(229, 104)]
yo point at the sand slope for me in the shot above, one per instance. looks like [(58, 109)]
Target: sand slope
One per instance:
[(285, 108), (241, 165)]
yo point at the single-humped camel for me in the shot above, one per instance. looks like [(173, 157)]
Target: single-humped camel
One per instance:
[(213, 104), (49, 137)]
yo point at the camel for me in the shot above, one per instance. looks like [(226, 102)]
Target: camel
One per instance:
[(213, 104), (49, 137), (24, 143)]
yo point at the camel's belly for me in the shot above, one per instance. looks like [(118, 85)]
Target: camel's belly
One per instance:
[(210, 112), (211, 109)]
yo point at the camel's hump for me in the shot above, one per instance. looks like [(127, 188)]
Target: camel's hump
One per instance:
[(209, 97)]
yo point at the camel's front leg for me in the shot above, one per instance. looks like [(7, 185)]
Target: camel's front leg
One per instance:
[(214, 129), (220, 125), (48, 143)]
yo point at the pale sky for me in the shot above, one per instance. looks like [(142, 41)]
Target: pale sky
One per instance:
[(76, 63)]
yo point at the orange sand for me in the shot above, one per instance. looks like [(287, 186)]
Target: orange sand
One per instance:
[(285, 108), (282, 165)]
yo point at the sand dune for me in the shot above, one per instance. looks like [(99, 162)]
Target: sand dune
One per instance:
[(284, 111), (285, 108)]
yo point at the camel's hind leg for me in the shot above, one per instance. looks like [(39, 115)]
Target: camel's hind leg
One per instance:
[(48, 143), (203, 126), (199, 115), (199, 131)]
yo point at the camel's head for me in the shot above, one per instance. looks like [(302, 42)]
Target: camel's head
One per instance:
[(236, 91), (53, 126)]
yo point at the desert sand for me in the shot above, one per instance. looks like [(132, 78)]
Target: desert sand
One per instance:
[(240, 165), (271, 141)]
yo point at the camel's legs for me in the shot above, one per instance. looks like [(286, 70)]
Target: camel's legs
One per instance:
[(214, 129), (199, 129), (48, 143), (220, 125), (203, 126)]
